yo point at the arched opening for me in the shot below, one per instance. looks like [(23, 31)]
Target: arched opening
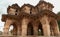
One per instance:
[(40, 30), (10, 29), (30, 29), (13, 29)]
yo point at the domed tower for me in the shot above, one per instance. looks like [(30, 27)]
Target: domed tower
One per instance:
[(13, 10), (43, 5)]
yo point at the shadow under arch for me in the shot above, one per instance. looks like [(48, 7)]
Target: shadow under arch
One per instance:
[(40, 29), (30, 29)]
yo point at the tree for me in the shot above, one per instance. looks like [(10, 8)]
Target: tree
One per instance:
[(58, 13), (58, 20)]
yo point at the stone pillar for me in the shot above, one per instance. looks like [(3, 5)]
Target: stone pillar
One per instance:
[(14, 31), (35, 28), (46, 30), (45, 26), (6, 27), (24, 27), (51, 31), (56, 29), (18, 30)]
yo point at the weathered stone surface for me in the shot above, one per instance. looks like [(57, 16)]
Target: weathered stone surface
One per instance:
[(41, 18), (6, 26)]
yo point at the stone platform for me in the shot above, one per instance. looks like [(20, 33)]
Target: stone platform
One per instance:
[(26, 36)]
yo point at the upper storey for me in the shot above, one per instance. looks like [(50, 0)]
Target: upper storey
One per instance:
[(13, 10), (42, 5), (26, 8), (29, 9)]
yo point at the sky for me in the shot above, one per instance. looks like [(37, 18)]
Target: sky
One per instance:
[(5, 3)]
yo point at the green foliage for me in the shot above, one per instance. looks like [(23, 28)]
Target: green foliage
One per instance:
[(59, 24), (58, 20), (58, 13)]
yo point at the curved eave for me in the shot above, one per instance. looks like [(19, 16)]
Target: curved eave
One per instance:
[(5, 17), (49, 13), (18, 17), (29, 16)]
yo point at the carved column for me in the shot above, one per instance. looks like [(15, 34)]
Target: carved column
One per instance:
[(24, 27), (14, 31), (18, 30), (35, 28), (6, 26), (21, 30), (45, 26), (51, 30), (56, 29)]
